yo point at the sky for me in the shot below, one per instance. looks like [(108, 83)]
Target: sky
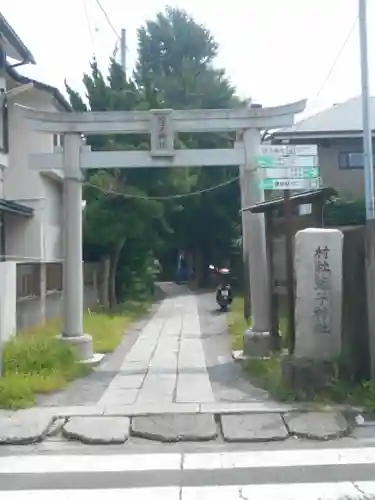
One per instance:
[(274, 51)]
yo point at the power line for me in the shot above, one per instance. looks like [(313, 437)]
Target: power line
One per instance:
[(160, 198), (84, 5), (108, 19), (333, 66)]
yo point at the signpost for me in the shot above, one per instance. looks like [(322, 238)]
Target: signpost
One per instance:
[(287, 168), (290, 150), (270, 161), (294, 184)]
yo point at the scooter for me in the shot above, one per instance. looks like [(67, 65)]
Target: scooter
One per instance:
[(224, 293)]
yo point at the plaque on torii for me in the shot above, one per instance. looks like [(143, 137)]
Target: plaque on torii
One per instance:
[(162, 133)]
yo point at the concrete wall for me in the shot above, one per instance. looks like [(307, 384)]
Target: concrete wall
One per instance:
[(52, 219), (29, 309), (355, 333), (349, 182), (24, 235), (7, 300)]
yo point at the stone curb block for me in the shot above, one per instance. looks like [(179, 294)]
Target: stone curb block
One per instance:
[(26, 427), (17, 430), (102, 430), (253, 428), (175, 428), (318, 426)]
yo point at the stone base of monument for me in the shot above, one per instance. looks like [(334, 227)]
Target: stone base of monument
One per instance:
[(259, 344), (307, 376)]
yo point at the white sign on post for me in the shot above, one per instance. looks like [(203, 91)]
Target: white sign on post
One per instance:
[(290, 150), (296, 184)]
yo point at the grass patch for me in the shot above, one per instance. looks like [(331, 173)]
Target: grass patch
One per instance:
[(237, 323), (266, 373), (35, 361), (107, 328)]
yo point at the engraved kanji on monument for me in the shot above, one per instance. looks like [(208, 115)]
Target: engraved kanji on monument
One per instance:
[(318, 265)]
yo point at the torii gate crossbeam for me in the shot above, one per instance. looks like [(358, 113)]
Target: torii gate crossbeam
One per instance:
[(162, 125)]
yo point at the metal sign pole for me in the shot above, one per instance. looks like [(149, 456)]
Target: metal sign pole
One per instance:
[(367, 131), (288, 218), (1, 344)]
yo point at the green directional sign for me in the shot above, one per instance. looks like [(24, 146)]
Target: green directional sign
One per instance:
[(277, 161), (290, 173)]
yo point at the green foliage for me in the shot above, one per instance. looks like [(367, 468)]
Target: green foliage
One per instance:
[(36, 361), (342, 212), (174, 70)]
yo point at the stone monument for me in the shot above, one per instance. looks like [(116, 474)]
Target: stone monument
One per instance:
[(318, 310)]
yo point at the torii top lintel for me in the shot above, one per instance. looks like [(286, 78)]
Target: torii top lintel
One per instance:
[(135, 122)]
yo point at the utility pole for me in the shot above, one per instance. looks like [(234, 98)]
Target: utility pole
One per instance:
[(368, 165), (123, 50), (367, 130), (3, 89)]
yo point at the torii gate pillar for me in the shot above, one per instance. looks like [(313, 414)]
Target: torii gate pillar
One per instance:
[(73, 281), (254, 247)]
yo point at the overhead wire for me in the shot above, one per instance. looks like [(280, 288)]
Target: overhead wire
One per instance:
[(108, 19), (331, 69), (154, 198), (87, 17), (234, 179), (160, 198)]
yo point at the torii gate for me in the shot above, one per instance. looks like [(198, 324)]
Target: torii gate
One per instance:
[(163, 125)]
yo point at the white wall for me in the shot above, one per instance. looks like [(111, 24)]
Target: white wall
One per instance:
[(53, 219), (8, 294), (24, 235), (38, 237)]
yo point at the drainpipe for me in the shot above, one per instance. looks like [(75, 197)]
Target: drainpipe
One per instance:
[(2, 238)]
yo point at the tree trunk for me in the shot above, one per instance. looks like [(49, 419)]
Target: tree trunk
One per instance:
[(113, 272), (104, 285), (199, 268)]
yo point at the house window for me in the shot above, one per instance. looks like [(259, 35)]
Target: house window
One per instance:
[(352, 160), (58, 140)]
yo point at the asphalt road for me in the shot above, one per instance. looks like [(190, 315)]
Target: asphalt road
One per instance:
[(315, 471)]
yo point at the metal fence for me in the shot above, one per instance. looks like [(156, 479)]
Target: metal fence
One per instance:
[(54, 277), (28, 280)]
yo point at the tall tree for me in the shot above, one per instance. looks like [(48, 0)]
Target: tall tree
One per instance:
[(175, 70), (114, 221)]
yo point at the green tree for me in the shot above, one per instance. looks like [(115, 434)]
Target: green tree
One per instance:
[(175, 70), (113, 222)]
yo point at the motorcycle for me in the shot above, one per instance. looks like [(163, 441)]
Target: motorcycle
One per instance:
[(224, 292)]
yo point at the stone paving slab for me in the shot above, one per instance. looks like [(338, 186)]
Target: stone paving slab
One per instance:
[(320, 426), (254, 427), (24, 427), (97, 430), (175, 428), (246, 407)]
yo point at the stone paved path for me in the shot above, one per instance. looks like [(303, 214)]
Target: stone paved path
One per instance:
[(176, 359), (167, 362), (172, 380)]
